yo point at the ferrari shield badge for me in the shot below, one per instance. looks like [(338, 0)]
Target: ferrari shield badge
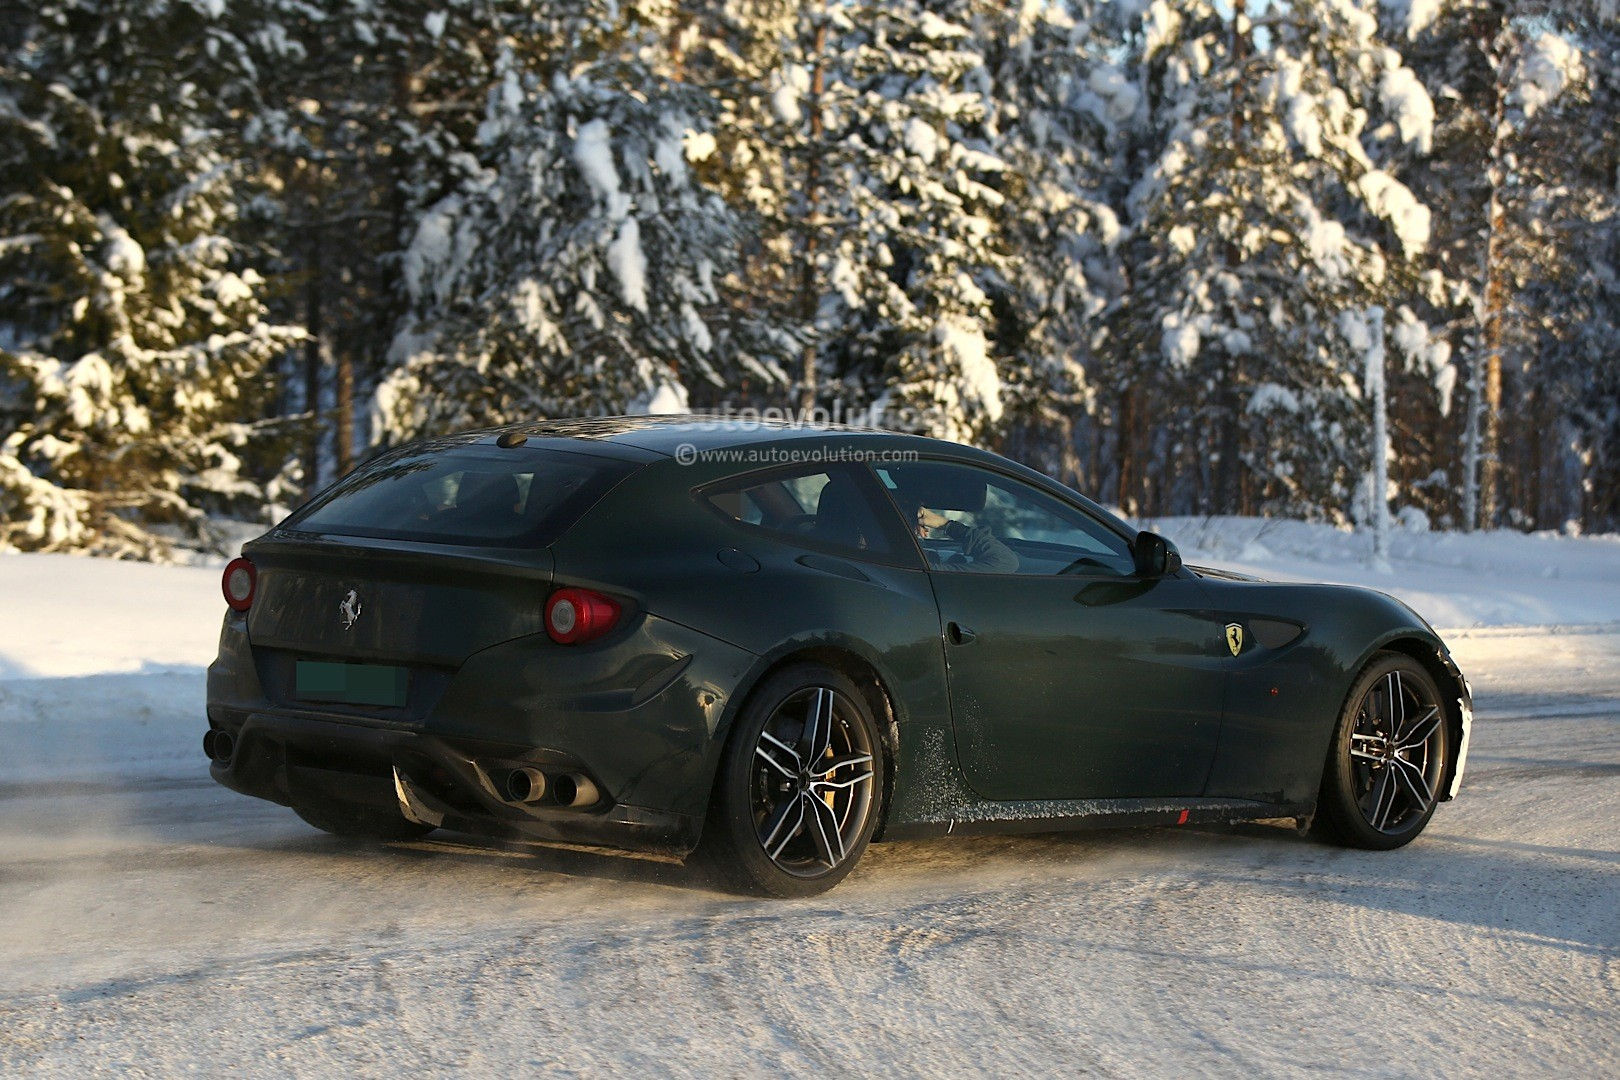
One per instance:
[(349, 611), (1234, 637)]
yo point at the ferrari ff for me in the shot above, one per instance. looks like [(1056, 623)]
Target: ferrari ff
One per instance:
[(765, 646)]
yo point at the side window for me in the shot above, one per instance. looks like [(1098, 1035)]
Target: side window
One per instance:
[(973, 520), (828, 508)]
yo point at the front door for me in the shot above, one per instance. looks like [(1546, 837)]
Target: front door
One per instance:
[(1070, 677)]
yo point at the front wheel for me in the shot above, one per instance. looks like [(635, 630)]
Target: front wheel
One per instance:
[(800, 786), (1388, 757)]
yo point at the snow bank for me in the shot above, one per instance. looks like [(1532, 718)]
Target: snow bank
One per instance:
[(67, 615), (1454, 580)]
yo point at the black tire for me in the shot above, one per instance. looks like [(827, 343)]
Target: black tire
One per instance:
[(1376, 795), (360, 822), (753, 772)]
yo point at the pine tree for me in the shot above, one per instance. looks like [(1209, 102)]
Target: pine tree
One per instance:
[(914, 255), (1498, 71), (1263, 216), (1061, 109), (577, 268), (134, 331)]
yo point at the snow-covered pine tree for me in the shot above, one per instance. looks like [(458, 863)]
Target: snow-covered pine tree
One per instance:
[(913, 197), (1564, 467), (133, 331), (1060, 110), (1498, 72), (363, 108), (763, 63), (1262, 217), (577, 268)]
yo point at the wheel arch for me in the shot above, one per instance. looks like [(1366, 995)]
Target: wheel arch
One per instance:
[(856, 664)]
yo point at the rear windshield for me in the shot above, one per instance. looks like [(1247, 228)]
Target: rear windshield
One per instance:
[(473, 496)]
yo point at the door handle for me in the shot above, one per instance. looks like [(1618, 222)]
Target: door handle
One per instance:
[(958, 634)]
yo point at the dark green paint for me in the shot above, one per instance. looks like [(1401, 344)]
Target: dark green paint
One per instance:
[(1078, 700)]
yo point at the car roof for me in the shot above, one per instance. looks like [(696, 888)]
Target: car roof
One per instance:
[(665, 434), (648, 438)]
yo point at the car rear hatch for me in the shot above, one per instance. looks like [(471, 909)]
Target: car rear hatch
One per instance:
[(410, 603), (386, 582)]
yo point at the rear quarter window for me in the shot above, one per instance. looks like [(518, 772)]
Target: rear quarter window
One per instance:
[(473, 496)]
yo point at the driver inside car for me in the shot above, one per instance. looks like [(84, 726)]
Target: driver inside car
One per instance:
[(977, 548)]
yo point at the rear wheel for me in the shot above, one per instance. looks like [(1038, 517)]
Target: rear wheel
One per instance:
[(1388, 757), (799, 788), (360, 822)]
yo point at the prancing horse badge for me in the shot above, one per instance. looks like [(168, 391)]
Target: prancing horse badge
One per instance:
[(349, 611), (1234, 637)]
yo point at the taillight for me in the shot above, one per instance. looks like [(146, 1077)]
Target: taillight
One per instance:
[(238, 584), (575, 615)]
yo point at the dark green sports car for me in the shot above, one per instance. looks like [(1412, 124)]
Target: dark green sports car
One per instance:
[(767, 645)]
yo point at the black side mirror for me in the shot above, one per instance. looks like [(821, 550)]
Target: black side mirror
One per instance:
[(1156, 557)]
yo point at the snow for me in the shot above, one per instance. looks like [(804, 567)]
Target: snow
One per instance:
[(1325, 243), (1410, 106), (1181, 340), (1268, 397), (965, 342), (1415, 16), (593, 153), (1550, 64), (1392, 200), (700, 146), (922, 139), (667, 398), (123, 255), (629, 264), (1455, 580), (431, 248), (157, 923), (63, 616), (792, 83)]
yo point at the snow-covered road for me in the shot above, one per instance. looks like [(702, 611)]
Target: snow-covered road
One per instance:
[(153, 921)]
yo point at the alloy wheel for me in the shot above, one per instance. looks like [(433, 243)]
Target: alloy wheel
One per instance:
[(812, 782), (1396, 753)]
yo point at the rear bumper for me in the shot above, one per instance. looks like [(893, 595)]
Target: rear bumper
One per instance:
[(640, 717), (454, 783)]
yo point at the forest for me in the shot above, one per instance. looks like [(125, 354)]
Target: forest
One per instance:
[(1190, 258)]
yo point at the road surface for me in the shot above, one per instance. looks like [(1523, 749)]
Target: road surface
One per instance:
[(152, 922)]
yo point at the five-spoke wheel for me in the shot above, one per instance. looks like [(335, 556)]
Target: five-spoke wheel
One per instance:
[(812, 782), (798, 793), (1388, 757)]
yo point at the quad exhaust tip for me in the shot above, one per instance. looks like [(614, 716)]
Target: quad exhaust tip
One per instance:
[(526, 785), (219, 745), (573, 789), (529, 786)]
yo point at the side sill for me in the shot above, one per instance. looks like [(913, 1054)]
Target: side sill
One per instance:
[(1063, 815)]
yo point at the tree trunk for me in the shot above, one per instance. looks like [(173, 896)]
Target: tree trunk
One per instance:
[(809, 298), (1125, 449), (1482, 434), (313, 347), (1377, 497), (344, 408)]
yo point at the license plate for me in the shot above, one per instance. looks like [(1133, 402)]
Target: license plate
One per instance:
[(352, 684)]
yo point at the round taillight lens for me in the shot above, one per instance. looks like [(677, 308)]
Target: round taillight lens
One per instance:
[(575, 615), (239, 583)]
